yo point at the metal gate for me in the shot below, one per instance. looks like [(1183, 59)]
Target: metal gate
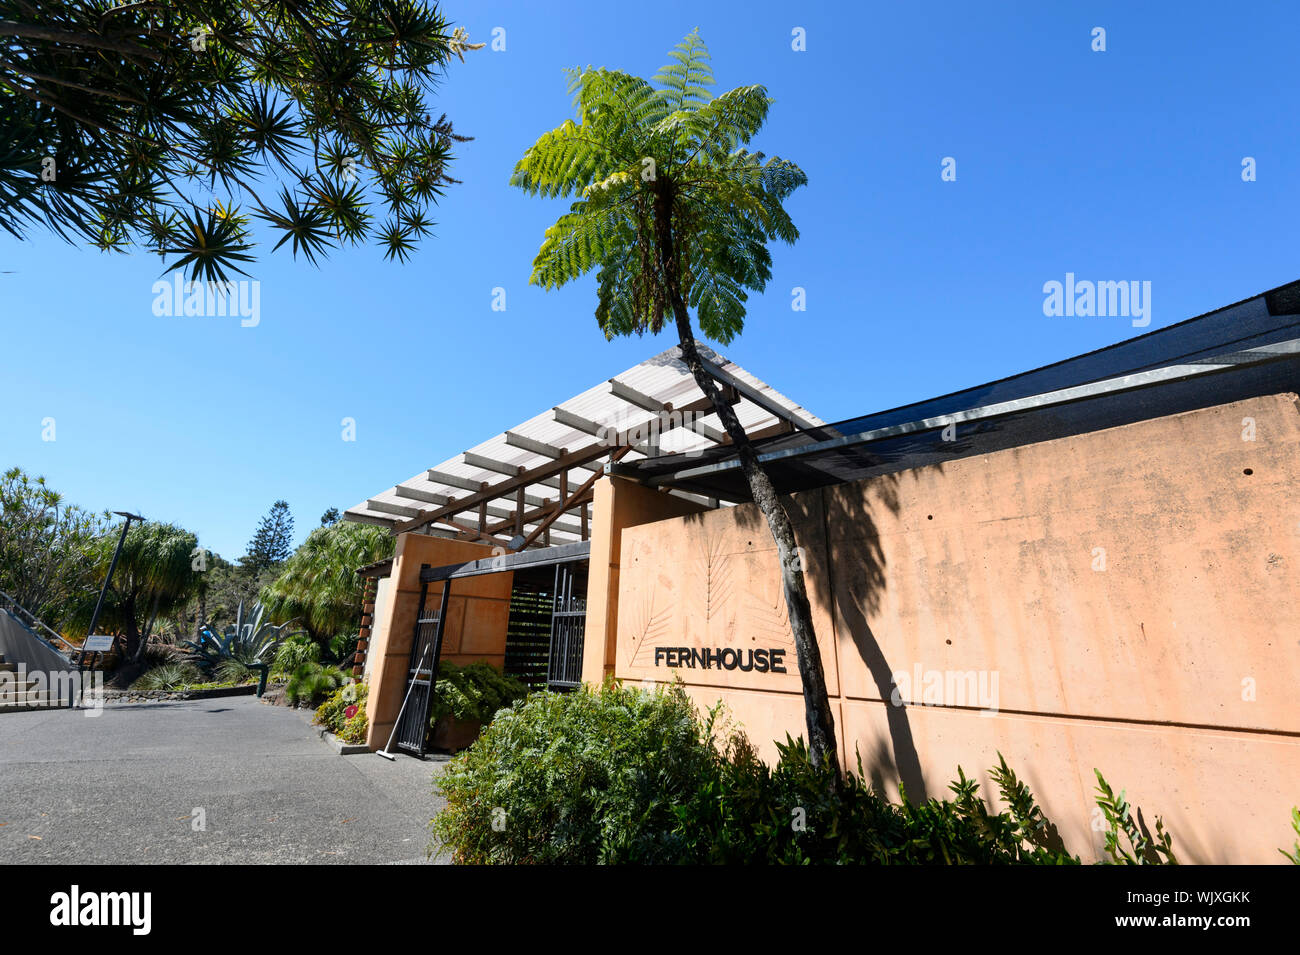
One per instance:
[(422, 673), (568, 625)]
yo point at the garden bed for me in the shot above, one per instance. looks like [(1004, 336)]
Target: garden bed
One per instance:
[(156, 696)]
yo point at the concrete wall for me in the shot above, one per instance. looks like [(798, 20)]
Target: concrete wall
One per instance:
[(19, 645), (1125, 600), (617, 504), (477, 615)]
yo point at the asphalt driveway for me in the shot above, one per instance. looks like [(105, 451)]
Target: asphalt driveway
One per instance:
[(133, 784)]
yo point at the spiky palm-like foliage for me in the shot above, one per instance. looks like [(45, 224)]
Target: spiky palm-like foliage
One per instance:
[(168, 676), (148, 123), (312, 682), (293, 653), (319, 584), (675, 213), (153, 574), (251, 639)]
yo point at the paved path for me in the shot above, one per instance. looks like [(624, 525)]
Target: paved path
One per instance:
[(123, 787)]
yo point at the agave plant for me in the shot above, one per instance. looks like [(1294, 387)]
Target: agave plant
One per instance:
[(251, 639)]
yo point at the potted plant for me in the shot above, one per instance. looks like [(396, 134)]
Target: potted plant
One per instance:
[(465, 699)]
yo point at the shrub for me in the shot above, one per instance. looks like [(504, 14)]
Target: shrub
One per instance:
[(577, 775), (1143, 849), (333, 713), (293, 653), (343, 647), (168, 676), (1294, 857), (474, 692), (311, 683), (234, 672), (157, 653), (744, 812), (619, 775)]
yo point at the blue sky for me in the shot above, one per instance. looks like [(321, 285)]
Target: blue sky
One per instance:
[(1122, 165)]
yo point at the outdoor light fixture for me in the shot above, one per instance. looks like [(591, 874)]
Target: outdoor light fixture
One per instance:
[(99, 604)]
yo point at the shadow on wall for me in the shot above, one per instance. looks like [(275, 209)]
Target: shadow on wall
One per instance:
[(854, 588), (847, 575)]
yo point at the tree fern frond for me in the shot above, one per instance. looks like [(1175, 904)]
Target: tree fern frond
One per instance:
[(577, 243), (719, 126), (560, 163), (719, 303), (689, 76)]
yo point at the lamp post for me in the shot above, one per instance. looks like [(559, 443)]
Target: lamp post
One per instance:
[(103, 591)]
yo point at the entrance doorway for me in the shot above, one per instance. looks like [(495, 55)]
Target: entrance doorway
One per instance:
[(544, 635), (548, 618)]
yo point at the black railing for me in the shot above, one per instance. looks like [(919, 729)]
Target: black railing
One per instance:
[(422, 675), (568, 626)]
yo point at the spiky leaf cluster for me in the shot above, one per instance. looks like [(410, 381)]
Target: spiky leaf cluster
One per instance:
[(640, 155), (152, 123)]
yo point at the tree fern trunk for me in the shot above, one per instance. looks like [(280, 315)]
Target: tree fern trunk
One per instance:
[(817, 711), (820, 724)]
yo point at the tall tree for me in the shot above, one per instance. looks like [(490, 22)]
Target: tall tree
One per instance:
[(319, 585), (330, 517), (148, 123), (675, 214), (272, 541), (46, 547), (154, 573)]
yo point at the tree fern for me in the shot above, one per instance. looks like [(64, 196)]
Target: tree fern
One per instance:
[(674, 213)]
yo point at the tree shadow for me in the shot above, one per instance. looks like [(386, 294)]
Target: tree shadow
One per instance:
[(845, 572), (853, 587)]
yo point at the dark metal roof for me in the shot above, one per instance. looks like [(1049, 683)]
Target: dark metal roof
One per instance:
[(1244, 350), (523, 560), (379, 569)]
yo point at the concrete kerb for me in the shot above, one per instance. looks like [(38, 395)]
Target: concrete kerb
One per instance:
[(343, 749)]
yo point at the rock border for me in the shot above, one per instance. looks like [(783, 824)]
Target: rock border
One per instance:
[(130, 697)]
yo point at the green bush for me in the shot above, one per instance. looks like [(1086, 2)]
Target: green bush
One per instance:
[(293, 653), (311, 683), (474, 692), (1294, 857), (573, 777), (620, 775), (343, 647), (333, 713)]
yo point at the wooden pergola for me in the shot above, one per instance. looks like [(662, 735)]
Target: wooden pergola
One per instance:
[(532, 486)]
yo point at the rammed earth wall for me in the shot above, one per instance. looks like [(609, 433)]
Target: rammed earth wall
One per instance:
[(1127, 600)]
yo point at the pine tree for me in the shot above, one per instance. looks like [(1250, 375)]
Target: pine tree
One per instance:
[(271, 544)]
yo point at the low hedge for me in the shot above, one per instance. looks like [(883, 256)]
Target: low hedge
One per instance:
[(620, 775)]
